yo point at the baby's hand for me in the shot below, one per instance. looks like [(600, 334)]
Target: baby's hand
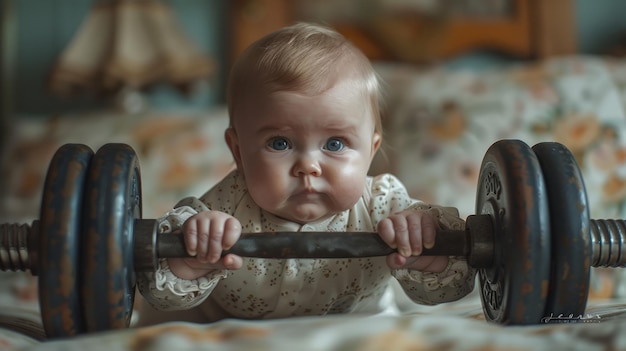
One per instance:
[(206, 235), (409, 232)]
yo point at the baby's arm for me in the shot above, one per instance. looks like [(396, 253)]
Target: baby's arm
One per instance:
[(165, 289), (426, 280), (207, 234), (453, 278), (409, 232)]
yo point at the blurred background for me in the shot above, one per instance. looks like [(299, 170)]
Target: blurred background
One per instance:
[(36, 33)]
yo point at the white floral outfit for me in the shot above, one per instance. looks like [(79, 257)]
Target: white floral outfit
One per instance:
[(276, 288)]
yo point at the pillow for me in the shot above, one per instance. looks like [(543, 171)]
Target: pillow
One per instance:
[(441, 123), (180, 154)]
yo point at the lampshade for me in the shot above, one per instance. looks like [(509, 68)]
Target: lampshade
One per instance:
[(128, 43)]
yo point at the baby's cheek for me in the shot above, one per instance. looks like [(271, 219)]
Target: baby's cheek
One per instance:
[(348, 189), (267, 190)]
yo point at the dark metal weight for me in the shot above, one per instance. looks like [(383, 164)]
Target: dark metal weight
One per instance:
[(112, 203), (511, 189), (59, 242), (530, 238), (569, 220)]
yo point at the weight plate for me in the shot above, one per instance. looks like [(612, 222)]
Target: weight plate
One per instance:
[(112, 203), (59, 246), (512, 191), (569, 221)]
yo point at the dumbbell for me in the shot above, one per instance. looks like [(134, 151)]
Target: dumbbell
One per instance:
[(530, 238)]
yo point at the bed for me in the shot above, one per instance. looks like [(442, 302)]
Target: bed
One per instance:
[(439, 121)]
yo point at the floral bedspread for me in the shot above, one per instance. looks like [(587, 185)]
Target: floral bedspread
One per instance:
[(439, 123), (455, 326)]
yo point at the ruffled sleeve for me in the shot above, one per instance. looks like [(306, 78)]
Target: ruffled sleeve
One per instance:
[(388, 196), (164, 290)]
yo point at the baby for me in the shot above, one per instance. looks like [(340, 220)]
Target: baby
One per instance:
[(304, 128)]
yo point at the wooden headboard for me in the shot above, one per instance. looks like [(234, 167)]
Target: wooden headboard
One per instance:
[(522, 28)]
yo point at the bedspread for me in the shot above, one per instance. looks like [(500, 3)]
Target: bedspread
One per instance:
[(454, 326), (398, 333), (438, 125)]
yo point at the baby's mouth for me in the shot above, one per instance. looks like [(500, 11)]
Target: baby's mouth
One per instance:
[(307, 194)]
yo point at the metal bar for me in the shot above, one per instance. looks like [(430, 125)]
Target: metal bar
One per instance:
[(608, 242), (14, 247), (317, 245)]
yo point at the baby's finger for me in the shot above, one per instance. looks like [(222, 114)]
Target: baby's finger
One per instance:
[(202, 236), (387, 233), (400, 226), (415, 228), (396, 261), (429, 231), (419, 263), (229, 261), (190, 233), (215, 241), (232, 232), (232, 262)]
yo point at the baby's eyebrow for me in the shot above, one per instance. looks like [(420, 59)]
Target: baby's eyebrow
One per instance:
[(273, 129), (345, 128), (334, 128)]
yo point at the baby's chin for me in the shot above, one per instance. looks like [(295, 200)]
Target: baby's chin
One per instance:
[(305, 214)]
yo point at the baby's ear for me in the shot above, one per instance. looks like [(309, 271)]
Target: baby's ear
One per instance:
[(233, 144), (376, 141)]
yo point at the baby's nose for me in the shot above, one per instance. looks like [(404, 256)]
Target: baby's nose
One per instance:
[(307, 165)]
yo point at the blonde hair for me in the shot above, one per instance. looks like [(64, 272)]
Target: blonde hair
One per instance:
[(305, 58)]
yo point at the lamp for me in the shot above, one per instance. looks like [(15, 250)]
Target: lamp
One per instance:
[(128, 45)]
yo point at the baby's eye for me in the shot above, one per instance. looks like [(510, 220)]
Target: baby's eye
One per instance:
[(334, 144), (279, 144)]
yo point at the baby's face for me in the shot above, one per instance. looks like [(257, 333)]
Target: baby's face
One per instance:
[(304, 157)]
